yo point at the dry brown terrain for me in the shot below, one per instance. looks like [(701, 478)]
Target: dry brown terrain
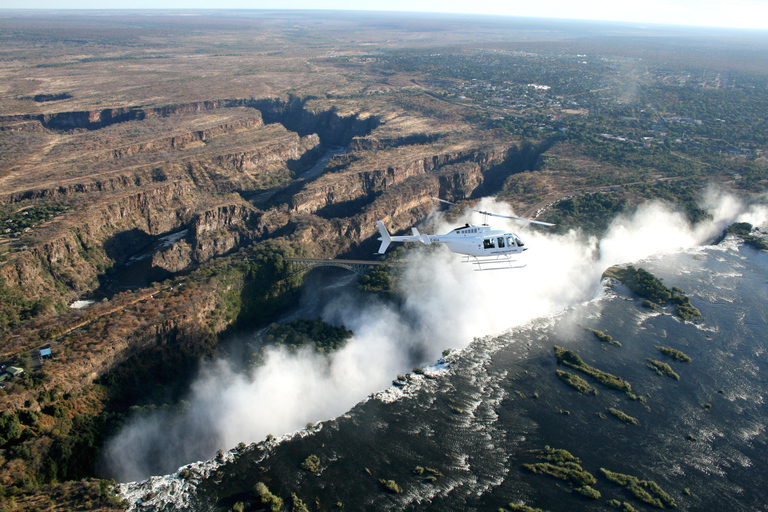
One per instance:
[(164, 164), (168, 144)]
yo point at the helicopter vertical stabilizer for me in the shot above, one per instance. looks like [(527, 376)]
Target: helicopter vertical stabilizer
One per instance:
[(385, 238)]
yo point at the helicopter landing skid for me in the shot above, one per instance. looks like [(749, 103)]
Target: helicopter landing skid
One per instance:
[(499, 262)]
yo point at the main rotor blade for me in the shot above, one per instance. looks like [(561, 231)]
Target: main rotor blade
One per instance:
[(497, 215), (513, 218), (444, 201)]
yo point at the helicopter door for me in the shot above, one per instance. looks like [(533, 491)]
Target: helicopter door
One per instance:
[(500, 241)]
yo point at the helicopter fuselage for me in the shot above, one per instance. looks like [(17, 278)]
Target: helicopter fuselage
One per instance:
[(480, 241), (477, 241)]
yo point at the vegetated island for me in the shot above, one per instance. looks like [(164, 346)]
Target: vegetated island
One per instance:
[(605, 338), (744, 231), (625, 507), (674, 354), (572, 359), (662, 368), (576, 382), (561, 464), (514, 507), (626, 418), (643, 490), (650, 287)]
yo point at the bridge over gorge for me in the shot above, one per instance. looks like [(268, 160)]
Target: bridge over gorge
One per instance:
[(359, 267)]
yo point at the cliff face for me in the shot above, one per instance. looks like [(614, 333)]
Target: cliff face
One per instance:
[(176, 186), (333, 188)]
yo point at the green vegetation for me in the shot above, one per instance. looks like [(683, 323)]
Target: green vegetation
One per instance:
[(744, 231), (429, 474), (14, 224), (297, 504), (756, 242), (643, 490), (61, 442), (312, 463), (625, 507), (513, 507), (391, 486), (589, 492), (302, 332), (626, 418), (576, 382), (739, 229), (378, 278), (674, 354), (641, 282), (648, 286), (561, 464), (605, 338), (568, 471), (573, 360), (274, 503), (591, 213), (662, 368), (685, 193)]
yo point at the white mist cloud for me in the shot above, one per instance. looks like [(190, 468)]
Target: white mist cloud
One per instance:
[(446, 305)]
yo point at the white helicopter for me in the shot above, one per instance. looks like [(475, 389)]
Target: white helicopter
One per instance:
[(489, 249)]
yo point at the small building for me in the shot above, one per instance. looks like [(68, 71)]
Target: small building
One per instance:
[(14, 371), (45, 353)]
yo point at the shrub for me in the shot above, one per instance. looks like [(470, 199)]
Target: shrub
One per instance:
[(275, 503), (298, 504), (311, 463), (589, 492), (391, 486)]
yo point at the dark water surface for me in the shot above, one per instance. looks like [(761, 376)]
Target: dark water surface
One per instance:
[(478, 418)]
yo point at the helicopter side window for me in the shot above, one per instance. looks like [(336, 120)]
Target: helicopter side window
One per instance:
[(488, 243), (501, 242), (519, 242), (511, 241)]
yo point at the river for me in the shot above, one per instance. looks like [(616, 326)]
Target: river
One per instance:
[(483, 411)]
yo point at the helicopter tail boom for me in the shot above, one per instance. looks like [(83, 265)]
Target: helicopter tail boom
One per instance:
[(386, 238)]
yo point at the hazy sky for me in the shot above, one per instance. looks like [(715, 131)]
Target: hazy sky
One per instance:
[(716, 13)]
